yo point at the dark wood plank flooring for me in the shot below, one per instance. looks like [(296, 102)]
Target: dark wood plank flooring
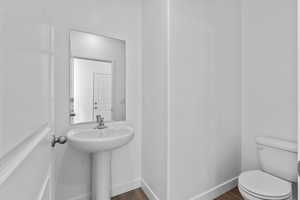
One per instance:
[(138, 194), (233, 194)]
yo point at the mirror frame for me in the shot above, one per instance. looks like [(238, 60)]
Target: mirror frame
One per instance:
[(70, 71)]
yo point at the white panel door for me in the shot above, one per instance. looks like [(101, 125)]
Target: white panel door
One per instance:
[(103, 96), (26, 107)]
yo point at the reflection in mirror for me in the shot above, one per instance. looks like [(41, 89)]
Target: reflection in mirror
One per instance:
[(97, 78)]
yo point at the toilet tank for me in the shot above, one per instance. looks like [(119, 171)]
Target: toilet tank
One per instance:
[(278, 157)]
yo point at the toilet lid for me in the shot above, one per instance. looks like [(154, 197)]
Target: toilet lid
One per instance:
[(264, 185)]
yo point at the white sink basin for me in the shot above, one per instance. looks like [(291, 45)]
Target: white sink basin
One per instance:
[(100, 142), (95, 140)]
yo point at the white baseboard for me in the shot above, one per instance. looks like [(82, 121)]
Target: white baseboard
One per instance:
[(217, 191), (148, 191), (116, 190), (207, 195), (122, 188)]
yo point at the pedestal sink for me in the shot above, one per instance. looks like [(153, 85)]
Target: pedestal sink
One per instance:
[(101, 142)]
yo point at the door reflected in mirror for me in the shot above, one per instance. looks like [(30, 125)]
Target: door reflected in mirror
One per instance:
[(97, 78)]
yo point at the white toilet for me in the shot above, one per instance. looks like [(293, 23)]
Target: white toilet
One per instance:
[(278, 161)]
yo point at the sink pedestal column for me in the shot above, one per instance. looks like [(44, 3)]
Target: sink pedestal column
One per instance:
[(101, 176)]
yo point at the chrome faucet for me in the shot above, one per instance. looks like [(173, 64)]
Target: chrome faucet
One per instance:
[(100, 121)]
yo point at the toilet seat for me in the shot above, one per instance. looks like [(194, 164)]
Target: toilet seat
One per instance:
[(262, 185), (252, 196)]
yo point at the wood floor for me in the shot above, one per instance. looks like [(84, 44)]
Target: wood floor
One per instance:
[(138, 194), (231, 195)]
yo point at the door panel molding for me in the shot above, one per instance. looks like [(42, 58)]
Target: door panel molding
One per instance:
[(45, 191), (14, 158)]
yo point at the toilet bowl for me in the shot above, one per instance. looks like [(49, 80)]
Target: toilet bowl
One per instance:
[(259, 185), (278, 161)]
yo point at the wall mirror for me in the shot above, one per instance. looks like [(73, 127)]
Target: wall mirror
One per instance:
[(97, 75)]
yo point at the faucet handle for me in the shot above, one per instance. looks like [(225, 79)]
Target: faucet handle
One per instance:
[(99, 118)]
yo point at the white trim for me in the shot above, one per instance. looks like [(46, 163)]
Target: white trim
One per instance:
[(148, 191), (298, 90), (81, 197), (46, 184), (217, 191), (10, 162), (122, 188), (168, 174)]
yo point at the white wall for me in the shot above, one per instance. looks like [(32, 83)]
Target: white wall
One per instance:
[(114, 18), (205, 95), (269, 73), (154, 139)]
